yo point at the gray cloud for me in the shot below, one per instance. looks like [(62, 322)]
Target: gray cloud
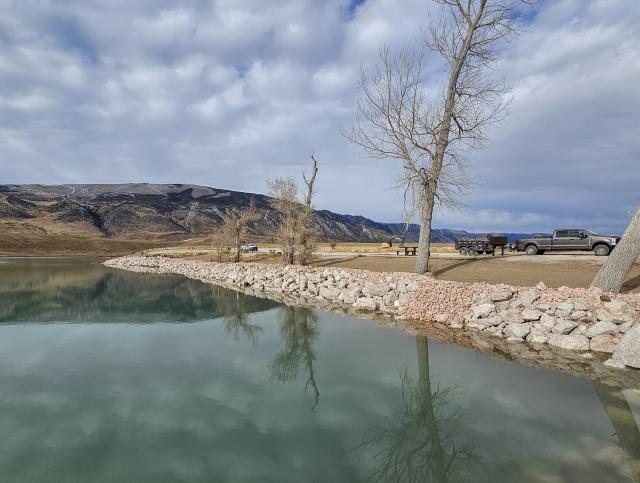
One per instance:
[(228, 94)]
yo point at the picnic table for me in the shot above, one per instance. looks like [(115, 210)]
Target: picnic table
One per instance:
[(408, 251)]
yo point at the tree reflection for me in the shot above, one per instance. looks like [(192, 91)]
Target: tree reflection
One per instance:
[(299, 332), (624, 423), (423, 443), (233, 306)]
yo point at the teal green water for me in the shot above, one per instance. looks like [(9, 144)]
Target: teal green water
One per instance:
[(111, 376)]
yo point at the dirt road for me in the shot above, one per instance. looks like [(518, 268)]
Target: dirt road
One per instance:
[(553, 270)]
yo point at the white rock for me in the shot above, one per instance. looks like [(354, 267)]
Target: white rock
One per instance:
[(603, 343), (501, 295), (350, 295), (565, 307), (547, 322), (512, 339), (518, 330), (483, 310), (624, 328), (600, 328), (365, 303), (564, 326), (604, 315), (541, 286), (531, 314), (529, 297), (542, 307), (581, 304), (569, 342), (536, 337), (621, 311), (375, 289), (494, 320), (329, 293), (628, 349)]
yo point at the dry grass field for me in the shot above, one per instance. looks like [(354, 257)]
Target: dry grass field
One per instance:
[(18, 241)]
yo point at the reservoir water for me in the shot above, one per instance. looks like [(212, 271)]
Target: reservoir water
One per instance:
[(110, 376)]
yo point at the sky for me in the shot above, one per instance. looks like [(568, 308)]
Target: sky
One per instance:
[(230, 93)]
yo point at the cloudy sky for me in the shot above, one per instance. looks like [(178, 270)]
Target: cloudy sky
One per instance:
[(229, 93)]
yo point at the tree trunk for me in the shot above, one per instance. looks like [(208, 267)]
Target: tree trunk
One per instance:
[(624, 423), (617, 267), (424, 381), (424, 243), (237, 256)]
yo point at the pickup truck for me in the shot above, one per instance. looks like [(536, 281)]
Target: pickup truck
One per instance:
[(569, 239)]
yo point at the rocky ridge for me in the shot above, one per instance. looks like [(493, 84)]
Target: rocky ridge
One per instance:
[(566, 319)]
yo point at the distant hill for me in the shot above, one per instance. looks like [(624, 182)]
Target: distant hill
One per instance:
[(143, 210)]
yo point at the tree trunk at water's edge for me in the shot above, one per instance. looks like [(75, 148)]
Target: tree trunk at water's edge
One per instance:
[(612, 274)]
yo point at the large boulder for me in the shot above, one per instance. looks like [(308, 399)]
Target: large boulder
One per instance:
[(600, 328), (365, 303), (537, 337), (501, 295), (529, 297), (531, 314), (603, 343), (628, 350), (547, 322), (518, 330), (329, 293), (483, 310), (372, 289), (570, 342), (581, 304), (564, 326), (621, 311), (350, 295)]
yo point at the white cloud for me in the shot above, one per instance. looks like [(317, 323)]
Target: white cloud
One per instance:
[(176, 91)]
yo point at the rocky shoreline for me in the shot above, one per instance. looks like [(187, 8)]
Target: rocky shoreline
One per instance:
[(584, 322)]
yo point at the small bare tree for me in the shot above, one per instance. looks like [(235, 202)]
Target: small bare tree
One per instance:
[(432, 134), (306, 232), (612, 274), (221, 242), (236, 224), (284, 194)]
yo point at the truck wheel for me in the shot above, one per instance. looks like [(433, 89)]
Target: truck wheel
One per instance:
[(531, 250), (463, 251), (601, 250)]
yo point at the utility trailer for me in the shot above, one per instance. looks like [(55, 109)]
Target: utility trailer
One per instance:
[(478, 246)]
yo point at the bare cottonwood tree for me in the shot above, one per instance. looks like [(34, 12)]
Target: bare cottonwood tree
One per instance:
[(221, 242), (284, 193), (236, 224), (432, 134), (612, 274), (307, 218)]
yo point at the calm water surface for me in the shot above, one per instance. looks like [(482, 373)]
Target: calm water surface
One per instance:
[(112, 376)]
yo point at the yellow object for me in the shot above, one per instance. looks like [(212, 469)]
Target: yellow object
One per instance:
[(385, 245)]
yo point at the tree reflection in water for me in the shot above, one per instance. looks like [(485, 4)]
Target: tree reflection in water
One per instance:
[(624, 423), (233, 306), (299, 331), (425, 442)]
